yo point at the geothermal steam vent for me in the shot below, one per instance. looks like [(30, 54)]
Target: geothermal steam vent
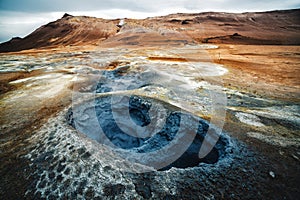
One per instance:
[(171, 139)]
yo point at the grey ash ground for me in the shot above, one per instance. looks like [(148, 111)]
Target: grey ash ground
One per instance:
[(67, 164), (45, 155)]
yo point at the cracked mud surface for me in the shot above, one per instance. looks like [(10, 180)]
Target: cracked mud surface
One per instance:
[(43, 156), (176, 124)]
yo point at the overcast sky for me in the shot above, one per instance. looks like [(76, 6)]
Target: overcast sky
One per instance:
[(21, 17)]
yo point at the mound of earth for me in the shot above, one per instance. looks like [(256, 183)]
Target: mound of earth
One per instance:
[(68, 30), (239, 39), (276, 27)]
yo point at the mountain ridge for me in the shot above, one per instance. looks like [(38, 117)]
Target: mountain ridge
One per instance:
[(281, 27)]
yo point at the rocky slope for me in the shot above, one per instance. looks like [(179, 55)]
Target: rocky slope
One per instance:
[(68, 30), (276, 27)]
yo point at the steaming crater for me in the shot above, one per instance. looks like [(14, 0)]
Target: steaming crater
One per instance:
[(140, 125)]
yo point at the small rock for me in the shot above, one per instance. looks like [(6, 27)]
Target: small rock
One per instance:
[(67, 15), (272, 174), (236, 34)]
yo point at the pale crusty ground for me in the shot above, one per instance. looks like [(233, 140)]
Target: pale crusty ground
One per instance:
[(264, 71)]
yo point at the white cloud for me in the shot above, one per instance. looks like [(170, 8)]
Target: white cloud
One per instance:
[(18, 24)]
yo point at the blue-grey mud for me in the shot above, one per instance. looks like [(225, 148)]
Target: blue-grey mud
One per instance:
[(51, 149)]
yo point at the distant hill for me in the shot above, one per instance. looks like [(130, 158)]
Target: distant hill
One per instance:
[(273, 27)]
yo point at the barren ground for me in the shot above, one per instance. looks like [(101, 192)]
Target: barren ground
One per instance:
[(257, 157)]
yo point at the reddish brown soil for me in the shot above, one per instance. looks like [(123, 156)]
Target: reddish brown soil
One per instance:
[(168, 59), (276, 27), (272, 71)]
